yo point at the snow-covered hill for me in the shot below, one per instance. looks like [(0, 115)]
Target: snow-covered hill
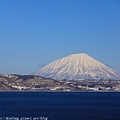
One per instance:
[(77, 67)]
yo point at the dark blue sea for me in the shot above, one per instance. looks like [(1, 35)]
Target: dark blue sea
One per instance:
[(60, 105)]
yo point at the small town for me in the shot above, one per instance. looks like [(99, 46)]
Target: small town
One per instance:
[(13, 82)]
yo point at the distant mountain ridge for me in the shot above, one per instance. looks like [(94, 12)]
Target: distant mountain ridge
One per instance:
[(77, 67)]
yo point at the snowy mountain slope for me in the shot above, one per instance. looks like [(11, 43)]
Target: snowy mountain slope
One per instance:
[(76, 67)]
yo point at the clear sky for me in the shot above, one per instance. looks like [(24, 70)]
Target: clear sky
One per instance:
[(37, 32)]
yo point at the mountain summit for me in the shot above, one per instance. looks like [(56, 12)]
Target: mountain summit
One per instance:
[(77, 67)]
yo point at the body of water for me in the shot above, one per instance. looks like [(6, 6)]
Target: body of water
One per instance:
[(60, 105)]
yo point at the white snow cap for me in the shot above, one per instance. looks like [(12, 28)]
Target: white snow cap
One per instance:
[(77, 67)]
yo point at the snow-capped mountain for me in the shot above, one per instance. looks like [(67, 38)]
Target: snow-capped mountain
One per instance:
[(77, 67)]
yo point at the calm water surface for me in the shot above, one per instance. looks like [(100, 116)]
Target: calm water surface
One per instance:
[(61, 105)]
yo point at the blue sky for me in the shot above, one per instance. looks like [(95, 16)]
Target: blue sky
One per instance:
[(37, 32)]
